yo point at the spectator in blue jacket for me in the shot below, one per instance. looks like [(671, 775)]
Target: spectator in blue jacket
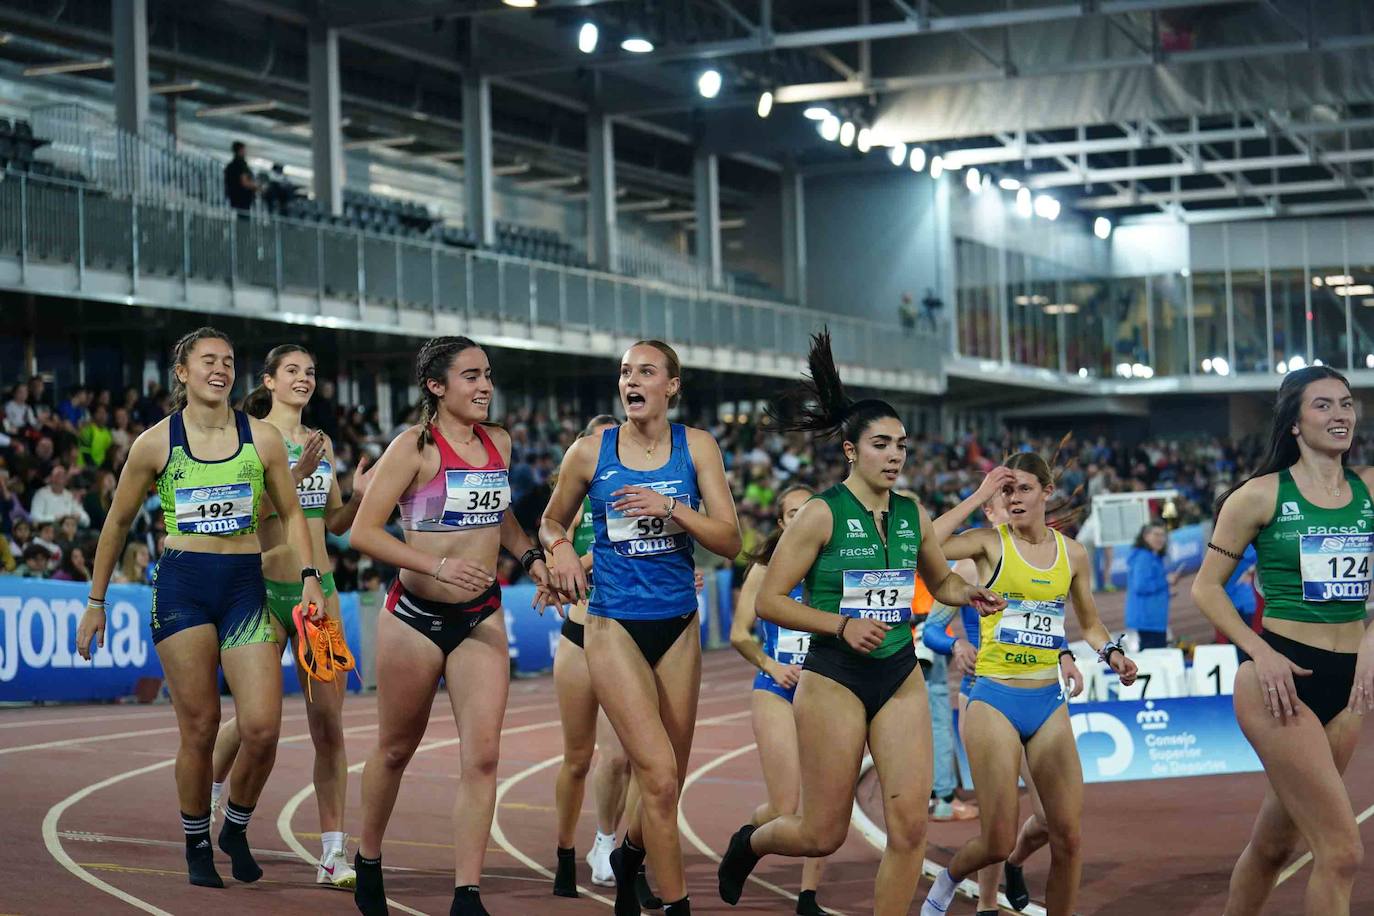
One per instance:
[(1240, 588), (1148, 584)]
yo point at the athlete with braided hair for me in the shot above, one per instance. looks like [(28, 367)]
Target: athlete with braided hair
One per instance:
[(449, 476)]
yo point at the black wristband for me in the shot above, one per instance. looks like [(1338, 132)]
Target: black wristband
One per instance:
[(1107, 656), (528, 558), (1064, 652)]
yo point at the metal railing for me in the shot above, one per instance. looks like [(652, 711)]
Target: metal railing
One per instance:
[(148, 166), (48, 221)]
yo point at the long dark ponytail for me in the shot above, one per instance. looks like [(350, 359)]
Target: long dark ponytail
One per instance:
[(819, 404), (1283, 444), (181, 353), (258, 403), (432, 364)]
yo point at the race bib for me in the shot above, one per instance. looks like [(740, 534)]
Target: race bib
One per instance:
[(1033, 624), (1335, 567), (642, 535), (475, 499), (793, 645), (884, 595), (313, 491), (214, 510)]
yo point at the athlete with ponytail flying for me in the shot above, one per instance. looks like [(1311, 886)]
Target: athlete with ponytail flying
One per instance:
[(1301, 696), (211, 465), (288, 381), (858, 546), (449, 476)]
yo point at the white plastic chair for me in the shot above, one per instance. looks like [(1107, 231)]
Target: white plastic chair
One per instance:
[(1214, 671)]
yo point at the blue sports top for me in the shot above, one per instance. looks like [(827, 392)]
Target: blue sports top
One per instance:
[(787, 647), (644, 567)]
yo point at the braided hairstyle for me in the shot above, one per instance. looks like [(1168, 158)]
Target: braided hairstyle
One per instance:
[(258, 402), (181, 354), (431, 365)]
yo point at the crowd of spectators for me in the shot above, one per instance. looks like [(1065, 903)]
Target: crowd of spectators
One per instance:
[(60, 459)]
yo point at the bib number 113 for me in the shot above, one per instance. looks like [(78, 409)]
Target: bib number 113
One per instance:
[(882, 597)]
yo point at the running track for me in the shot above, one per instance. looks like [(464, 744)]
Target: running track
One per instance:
[(90, 826)]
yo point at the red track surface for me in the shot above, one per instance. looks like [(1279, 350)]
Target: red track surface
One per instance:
[(100, 777)]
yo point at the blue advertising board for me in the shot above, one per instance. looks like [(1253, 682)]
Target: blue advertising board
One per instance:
[(38, 660), (1160, 739)]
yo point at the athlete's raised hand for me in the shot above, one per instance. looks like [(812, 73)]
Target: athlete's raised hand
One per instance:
[(1276, 682), (985, 601), (1073, 678), (464, 573), (863, 635), (1362, 691), (997, 481), (91, 631), (1123, 666), (641, 501), (311, 454), (566, 574)]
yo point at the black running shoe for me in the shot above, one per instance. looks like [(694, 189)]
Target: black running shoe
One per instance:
[(735, 867), (1017, 894)]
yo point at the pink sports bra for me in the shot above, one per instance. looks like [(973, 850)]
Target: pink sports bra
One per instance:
[(459, 496)]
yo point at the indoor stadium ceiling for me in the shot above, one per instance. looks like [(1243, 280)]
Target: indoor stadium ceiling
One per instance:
[(1195, 110)]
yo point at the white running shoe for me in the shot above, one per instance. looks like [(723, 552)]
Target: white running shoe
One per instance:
[(600, 860), (334, 869)]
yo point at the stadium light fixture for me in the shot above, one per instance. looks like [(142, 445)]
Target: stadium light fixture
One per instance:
[(816, 113), (172, 88), (1281, 368), (864, 142), (587, 37), (637, 44), (973, 180), (1046, 207), (1296, 362), (1123, 370), (1082, 372), (897, 155), (1369, 360), (1009, 184), (708, 84), (765, 104), (918, 159), (830, 128), (847, 131), (521, 4), (1024, 207), (1207, 364), (1102, 228), (1317, 361), (937, 167), (1220, 366)]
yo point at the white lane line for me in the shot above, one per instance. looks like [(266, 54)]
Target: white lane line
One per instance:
[(53, 841), (165, 713), (499, 835), (877, 838), (288, 811), (93, 739), (1306, 857)]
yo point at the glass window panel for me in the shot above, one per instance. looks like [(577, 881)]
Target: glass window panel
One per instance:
[(1290, 315), (1329, 292), (1170, 323), (1247, 299), (1209, 317), (1362, 315)]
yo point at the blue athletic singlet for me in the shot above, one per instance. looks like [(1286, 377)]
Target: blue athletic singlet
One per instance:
[(787, 647), (644, 568)]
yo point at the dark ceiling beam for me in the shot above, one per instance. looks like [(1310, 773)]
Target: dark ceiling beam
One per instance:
[(454, 9), (879, 31)]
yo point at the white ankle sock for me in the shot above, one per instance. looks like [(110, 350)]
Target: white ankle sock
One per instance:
[(605, 838), (216, 790), (942, 894), (332, 840)]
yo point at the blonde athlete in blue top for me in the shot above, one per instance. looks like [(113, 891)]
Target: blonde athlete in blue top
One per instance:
[(1017, 702)]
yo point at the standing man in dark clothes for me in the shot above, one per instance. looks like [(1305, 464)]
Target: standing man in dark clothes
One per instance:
[(240, 188)]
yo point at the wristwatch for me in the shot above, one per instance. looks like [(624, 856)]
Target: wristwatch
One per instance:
[(308, 571)]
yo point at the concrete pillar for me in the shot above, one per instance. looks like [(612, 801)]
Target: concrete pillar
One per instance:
[(793, 235), (130, 25), (326, 129), (477, 166), (707, 177), (601, 227)]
